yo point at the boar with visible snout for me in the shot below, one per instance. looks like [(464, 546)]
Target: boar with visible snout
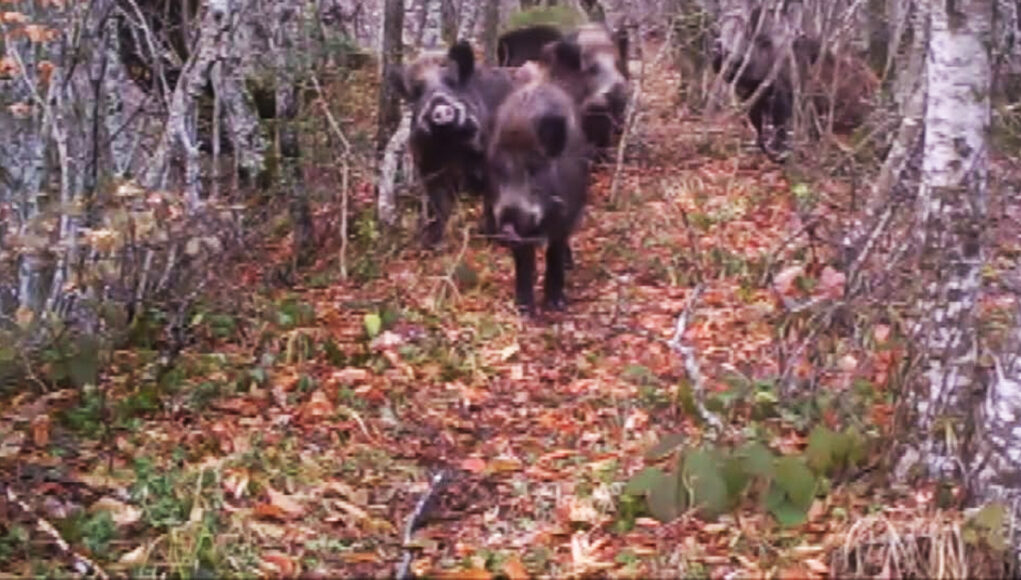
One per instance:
[(538, 169), (453, 104)]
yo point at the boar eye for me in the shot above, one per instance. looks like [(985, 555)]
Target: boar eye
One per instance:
[(416, 90), (593, 69)]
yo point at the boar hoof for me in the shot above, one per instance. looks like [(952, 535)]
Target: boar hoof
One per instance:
[(555, 303), (526, 310)]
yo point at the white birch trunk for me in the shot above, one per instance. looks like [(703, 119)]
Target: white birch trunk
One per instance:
[(952, 204)]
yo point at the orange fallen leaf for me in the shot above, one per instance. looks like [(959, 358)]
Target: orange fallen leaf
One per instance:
[(463, 574), (41, 430), (283, 505), (278, 564), (474, 465), (360, 557), (13, 18), (514, 569), (318, 406)]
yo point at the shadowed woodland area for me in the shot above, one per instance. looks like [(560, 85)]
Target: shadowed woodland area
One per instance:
[(502, 289)]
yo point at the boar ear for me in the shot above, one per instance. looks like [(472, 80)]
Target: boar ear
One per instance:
[(562, 54), (395, 77), (464, 57), (551, 129)]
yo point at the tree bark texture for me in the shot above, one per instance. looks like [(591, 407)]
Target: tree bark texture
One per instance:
[(952, 212), (391, 55), (491, 28)]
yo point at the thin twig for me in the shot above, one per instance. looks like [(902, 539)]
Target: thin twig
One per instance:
[(632, 115), (415, 520), (345, 172), (691, 361)]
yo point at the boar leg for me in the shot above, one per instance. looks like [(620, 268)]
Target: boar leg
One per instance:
[(440, 202), (757, 115), (780, 112), (524, 277), (557, 253)]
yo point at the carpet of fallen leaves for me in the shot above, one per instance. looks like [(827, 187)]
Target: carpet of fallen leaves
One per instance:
[(315, 469)]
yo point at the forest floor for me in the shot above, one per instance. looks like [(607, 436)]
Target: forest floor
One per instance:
[(301, 443)]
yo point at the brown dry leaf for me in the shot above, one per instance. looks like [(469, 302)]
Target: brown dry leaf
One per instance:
[(41, 430), (284, 502), (351, 375), (20, 110), (847, 363), (279, 564), (13, 18), (584, 553), (360, 557), (136, 557), (235, 482), (122, 514), (881, 333), (12, 443), (514, 569), (505, 463), (318, 406), (38, 33), (783, 282), (8, 67), (463, 574), (817, 566)]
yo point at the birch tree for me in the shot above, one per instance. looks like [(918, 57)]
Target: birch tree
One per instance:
[(969, 434)]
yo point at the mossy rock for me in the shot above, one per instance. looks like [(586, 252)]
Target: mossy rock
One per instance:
[(563, 17)]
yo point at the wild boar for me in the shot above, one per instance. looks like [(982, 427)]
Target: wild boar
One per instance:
[(856, 85), (538, 169), (453, 104), (589, 63)]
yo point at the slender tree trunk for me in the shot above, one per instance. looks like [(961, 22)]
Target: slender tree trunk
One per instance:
[(878, 35), (449, 17), (491, 29), (391, 55), (952, 212)]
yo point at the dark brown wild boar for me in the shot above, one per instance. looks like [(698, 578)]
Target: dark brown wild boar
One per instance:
[(855, 87), (538, 170), (591, 65), (453, 104), (516, 47)]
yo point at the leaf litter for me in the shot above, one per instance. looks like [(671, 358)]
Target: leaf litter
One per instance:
[(317, 466)]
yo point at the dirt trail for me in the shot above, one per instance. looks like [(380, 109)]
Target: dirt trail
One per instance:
[(539, 421), (304, 446)]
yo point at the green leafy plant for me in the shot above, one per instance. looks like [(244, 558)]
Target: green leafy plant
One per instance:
[(713, 481)]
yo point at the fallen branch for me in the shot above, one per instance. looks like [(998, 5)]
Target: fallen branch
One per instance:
[(82, 564), (415, 520), (691, 361)]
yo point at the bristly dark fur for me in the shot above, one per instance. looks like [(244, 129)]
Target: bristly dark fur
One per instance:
[(453, 104), (519, 46), (590, 63), (538, 176), (856, 84)]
